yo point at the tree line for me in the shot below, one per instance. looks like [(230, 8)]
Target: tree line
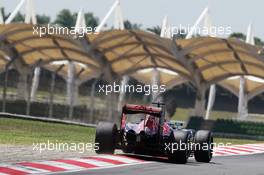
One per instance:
[(66, 18)]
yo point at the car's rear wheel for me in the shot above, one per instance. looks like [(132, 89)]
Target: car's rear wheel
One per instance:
[(106, 134), (203, 142), (179, 149), (129, 143)]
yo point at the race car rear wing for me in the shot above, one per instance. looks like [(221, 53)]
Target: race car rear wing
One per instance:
[(134, 109)]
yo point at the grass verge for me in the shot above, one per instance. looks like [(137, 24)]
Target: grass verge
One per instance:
[(25, 132)]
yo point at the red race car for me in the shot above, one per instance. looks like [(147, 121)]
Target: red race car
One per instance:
[(144, 130)]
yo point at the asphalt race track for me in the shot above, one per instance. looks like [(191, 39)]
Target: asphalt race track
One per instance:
[(234, 159), (223, 165)]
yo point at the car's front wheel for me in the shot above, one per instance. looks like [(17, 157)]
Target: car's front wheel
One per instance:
[(179, 150), (203, 142)]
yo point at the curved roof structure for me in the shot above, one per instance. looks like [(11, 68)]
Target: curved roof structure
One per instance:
[(201, 60), (32, 48), (82, 72), (129, 51), (215, 59), (3, 60), (253, 86), (166, 77)]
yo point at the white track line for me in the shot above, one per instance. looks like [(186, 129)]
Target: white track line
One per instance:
[(228, 150), (65, 166), (93, 162), (250, 147), (98, 168), (120, 158)]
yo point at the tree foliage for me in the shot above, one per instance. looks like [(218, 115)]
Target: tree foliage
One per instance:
[(238, 35), (155, 29), (19, 17), (91, 20), (129, 25), (241, 36), (66, 18), (43, 19)]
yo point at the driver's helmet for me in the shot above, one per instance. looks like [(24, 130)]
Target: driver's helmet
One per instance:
[(151, 125)]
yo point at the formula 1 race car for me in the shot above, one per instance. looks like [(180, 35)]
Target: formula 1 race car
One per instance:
[(143, 130)]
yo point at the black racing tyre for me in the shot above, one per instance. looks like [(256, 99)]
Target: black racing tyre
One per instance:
[(204, 146), (106, 134), (130, 142), (179, 152)]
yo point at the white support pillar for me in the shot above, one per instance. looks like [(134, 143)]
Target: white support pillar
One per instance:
[(155, 82), (211, 101), (198, 21), (242, 101), (165, 28), (113, 7), (80, 24), (122, 93), (14, 13), (243, 96), (250, 35), (1, 18), (71, 84), (35, 83), (30, 13), (119, 21), (208, 22), (33, 13)]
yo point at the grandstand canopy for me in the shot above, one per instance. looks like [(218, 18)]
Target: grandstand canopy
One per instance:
[(32, 48), (166, 77), (82, 72), (253, 85), (201, 60), (215, 59)]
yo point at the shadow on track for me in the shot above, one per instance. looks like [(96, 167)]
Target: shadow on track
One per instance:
[(164, 160)]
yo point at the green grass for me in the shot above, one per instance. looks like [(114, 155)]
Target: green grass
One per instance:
[(24, 132), (182, 114)]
